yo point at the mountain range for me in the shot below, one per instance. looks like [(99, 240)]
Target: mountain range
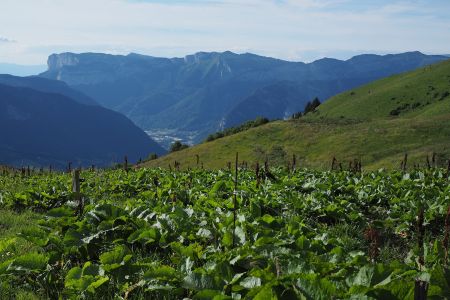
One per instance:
[(44, 122), (375, 123), (194, 96)]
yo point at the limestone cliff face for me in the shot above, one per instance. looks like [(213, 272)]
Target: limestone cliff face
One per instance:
[(80, 69), (58, 61)]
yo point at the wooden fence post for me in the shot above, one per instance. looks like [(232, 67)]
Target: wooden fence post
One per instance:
[(446, 236), (448, 168), (257, 175), (76, 190), (405, 161), (333, 163), (433, 160), (421, 287), (420, 290)]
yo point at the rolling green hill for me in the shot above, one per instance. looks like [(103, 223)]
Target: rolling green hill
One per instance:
[(416, 93), (376, 123)]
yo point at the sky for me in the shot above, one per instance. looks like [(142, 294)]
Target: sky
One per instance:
[(295, 30)]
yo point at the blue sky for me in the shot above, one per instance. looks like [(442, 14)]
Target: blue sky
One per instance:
[(298, 30)]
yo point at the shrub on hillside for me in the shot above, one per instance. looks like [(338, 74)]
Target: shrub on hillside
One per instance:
[(177, 146), (309, 107)]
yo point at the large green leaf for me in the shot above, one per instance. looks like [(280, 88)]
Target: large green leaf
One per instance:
[(31, 262), (371, 276), (250, 282), (312, 286), (116, 258), (86, 279), (199, 280), (145, 236), (164, 273), (36, 236), (265, 293), (210, 295)]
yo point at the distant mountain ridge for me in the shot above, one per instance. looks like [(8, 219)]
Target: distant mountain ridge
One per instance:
[(47, 128), (205, 92), (375, 123), (47, 86)]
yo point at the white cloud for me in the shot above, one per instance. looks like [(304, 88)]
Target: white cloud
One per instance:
[(290, 29)]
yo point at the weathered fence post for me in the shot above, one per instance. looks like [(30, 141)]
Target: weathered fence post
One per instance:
[(446, 236), (76, 190), (294, 162), (257, 175), (448, 168), (433, 160), (125, 164), (421, 287), (333, 162), (405, 161), (420, 290)]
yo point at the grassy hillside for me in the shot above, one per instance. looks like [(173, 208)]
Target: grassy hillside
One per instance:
[(420, 92), (376, 123)]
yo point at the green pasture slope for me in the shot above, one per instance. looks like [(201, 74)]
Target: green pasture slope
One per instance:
[(159, 234), (376, 123)]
